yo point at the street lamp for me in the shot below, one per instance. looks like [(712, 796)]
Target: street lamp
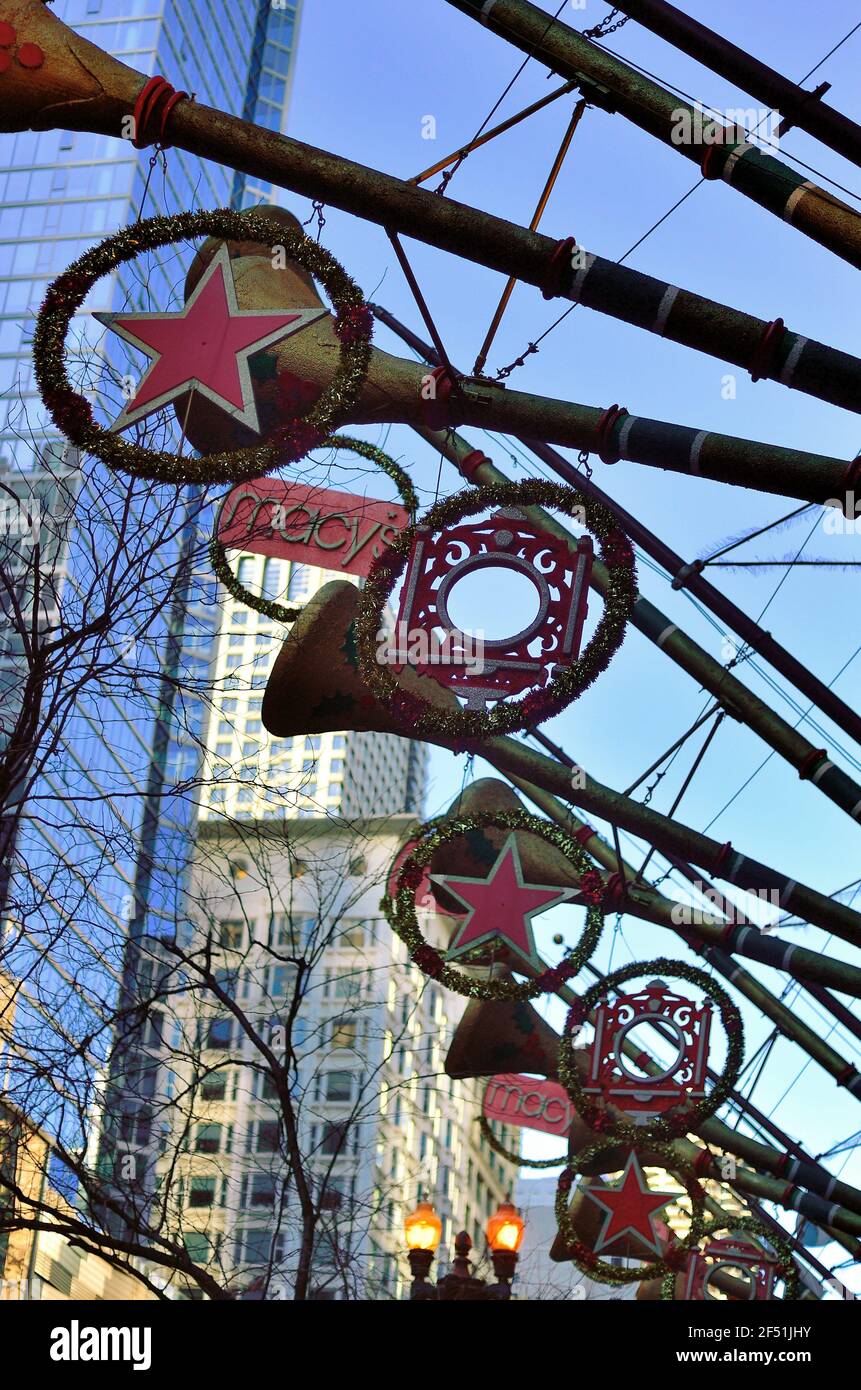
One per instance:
[(423, 1230)]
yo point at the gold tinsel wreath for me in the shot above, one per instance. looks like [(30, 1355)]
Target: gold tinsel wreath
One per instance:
[(72, 413)]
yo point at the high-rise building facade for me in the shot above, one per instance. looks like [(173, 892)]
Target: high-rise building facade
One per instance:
[(253, 776), (103, 810), (377, 1125)]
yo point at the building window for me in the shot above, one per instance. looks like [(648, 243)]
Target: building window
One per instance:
[(271, 579), (280, 979), (291, 930), (154, 1032), (267, 1090), (300, 582), (208, 1139), (267, 1136), (197, 1246), (201, 1192), (214, 1086), (259, 1190), (337, 1139), (344, 1032), (338, 1086), (253, 1247), (219, 1032), (231, 935)]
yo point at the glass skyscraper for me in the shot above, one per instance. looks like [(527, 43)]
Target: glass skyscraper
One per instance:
[(100, 816)]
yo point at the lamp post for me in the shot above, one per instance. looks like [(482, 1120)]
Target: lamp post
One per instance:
[(423, 1230)]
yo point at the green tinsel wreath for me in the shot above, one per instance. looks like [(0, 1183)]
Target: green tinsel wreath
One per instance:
[(586, 1259), (458, 725), (663, 1128)]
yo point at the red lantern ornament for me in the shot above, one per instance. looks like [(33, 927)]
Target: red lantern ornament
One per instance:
[(681, 1081), (730, 1253), (476, 667)]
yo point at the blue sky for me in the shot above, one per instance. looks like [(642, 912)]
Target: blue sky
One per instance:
[(367, 77)]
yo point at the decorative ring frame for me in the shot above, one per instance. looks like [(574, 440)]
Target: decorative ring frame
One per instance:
[(664, 1128), (463, 726)]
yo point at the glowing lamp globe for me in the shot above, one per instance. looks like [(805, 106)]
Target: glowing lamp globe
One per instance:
[(505, 1229), (423, 1228)]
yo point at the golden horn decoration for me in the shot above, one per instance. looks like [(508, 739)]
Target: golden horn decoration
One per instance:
[(57, 79), (498, 1035), (315, 686), (392, 389)]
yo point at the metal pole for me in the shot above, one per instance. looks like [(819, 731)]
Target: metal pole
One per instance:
[(684, 575), (727, 155), (806, 110)]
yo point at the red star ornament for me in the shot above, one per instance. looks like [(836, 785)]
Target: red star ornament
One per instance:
[(631, 1209), (501, 906), (205, 346)]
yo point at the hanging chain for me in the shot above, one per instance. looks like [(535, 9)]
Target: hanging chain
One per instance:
[(317, 211), (606, 26), (583, 460)]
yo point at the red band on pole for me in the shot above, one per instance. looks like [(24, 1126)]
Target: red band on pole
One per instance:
[(722, 855), (782, 1165), (154, 104), (702, 1163), (852, 474), (435, 412), (845, 1075), (606, 451), (708, 160), (615, 891), (725, 937), (583, 835), (470, 465), (815, 756), (765, 350), (560, 256)]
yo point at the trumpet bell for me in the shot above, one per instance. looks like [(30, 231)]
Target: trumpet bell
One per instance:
[(496, 1036), (302, 365), (56, 79), (315, 686)]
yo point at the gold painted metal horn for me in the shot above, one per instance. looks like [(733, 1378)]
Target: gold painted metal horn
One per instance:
[(57, 79), (497, 1035), (472, 856), (315, 686)]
